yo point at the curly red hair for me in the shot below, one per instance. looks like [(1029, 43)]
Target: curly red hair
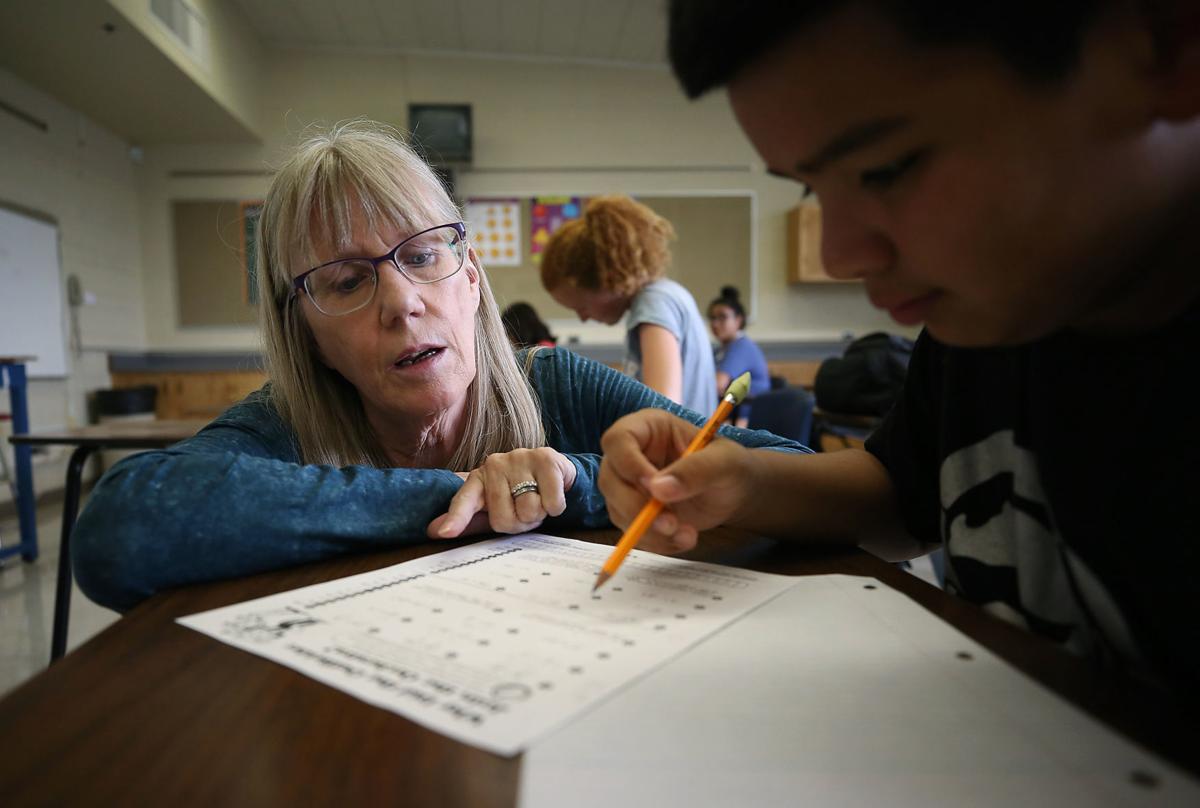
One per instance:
[(619, 245)]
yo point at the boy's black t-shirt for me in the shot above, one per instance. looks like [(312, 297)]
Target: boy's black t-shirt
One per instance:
[(1063, 479)]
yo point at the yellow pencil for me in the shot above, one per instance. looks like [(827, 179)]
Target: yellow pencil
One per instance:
[(734, 394)]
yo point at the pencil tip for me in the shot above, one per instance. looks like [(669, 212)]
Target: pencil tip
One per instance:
[(600, 579)]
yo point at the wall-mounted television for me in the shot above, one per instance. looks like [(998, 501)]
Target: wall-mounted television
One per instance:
[(442, 131)]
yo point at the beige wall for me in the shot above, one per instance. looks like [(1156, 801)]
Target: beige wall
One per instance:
[(539, 128), (234, 59), (80, 175)]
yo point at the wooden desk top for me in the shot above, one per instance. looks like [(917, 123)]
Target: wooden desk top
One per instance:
[(149, 712), (116, 435)]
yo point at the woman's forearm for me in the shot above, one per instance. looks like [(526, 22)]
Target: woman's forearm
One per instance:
[(164, 519)]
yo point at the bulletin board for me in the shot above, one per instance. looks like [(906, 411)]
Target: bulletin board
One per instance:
[(214, 262), (713, 248), (32, 316)]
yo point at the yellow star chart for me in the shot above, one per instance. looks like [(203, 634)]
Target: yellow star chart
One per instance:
[(494, 229)]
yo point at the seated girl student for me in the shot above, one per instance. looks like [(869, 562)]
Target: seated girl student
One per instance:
[(610, 264), (391, 382), (1033, 201), (736, 353)]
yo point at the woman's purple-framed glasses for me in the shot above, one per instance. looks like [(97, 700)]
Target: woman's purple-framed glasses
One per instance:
[(347, 284)]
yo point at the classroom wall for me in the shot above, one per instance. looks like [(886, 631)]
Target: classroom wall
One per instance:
[(82, 176), (233, 54), (539, 128)]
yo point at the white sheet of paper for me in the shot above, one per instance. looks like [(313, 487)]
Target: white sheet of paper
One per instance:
[(841, 691), (495, 643)]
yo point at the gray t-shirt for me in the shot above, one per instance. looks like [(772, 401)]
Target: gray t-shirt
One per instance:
[(667, 304)]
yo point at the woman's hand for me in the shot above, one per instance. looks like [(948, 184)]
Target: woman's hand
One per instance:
[(485, 502), (700, 491)]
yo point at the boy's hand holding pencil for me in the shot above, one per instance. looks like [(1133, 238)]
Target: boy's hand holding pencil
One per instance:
[(646, 456)]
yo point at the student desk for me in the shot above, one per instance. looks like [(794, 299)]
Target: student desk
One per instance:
[(88, 439), (150, 712)]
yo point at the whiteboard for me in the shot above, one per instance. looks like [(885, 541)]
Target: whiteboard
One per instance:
[(32, 321)]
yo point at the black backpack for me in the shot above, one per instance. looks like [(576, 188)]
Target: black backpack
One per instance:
[(866, 379)]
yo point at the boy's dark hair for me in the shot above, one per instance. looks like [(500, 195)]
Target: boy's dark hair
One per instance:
[(712, 41), (524, 327)]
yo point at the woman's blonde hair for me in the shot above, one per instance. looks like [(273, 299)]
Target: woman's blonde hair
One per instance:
[(618, 246), (365, 169)]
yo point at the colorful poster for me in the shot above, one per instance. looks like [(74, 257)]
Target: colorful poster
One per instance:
[(494, 229), (547, 214)]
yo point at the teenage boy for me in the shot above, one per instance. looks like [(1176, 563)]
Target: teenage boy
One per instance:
[(1024, 179)]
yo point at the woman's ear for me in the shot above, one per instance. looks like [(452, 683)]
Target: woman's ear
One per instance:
[(473, 269)]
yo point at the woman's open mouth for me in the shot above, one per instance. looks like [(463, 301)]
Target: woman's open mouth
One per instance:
[(418, 358)]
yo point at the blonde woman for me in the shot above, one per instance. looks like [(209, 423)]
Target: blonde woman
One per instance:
[(611, 264), (396, 409)]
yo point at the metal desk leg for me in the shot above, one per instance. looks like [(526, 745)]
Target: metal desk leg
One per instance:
[(26, 509), (62, 593)]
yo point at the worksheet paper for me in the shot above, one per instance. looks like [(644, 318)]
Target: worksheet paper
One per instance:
[(842, 692), (495, 643)]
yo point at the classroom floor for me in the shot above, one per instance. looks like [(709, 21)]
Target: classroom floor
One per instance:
[(27, 601)]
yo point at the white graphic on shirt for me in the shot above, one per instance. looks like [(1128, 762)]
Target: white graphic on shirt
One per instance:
[(996, 515)]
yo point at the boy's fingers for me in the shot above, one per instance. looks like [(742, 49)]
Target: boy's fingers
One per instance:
[(622, 499), (623, 455), (693, 475), (680, 541)]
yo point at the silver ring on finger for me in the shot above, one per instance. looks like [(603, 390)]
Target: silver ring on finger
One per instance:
[(524, 487)]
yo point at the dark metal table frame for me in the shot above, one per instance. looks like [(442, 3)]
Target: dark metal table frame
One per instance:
[(86, 440)]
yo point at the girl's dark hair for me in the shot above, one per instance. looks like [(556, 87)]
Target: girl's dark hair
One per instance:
[(732, 299), (524, 327), (712, 41)]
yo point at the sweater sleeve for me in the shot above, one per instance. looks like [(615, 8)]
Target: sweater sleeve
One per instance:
[(234, 500), (581, 399)]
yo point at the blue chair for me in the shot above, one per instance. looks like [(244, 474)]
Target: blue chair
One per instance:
[(787, 412)]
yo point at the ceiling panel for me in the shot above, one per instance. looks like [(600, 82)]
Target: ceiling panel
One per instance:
[(520, 25), (561, 22), (602, 23), (397, 23), (322, 25), (481, 26), (360, 24), (644, 35), (274, 20), (436, 25), (624, 31)]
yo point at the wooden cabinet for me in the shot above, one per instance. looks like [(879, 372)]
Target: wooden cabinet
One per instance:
[(194, 395), (798, 373), (804, 246)]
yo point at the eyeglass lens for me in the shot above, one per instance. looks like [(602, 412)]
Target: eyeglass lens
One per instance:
[(349, 285)]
